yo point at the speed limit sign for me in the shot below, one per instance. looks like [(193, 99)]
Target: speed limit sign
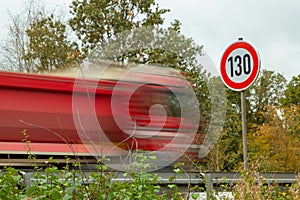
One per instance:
[(240, 66)]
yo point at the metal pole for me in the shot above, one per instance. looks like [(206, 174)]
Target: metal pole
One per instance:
[(244, 129)]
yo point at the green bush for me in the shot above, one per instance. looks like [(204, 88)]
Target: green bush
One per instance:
[(67, 183)]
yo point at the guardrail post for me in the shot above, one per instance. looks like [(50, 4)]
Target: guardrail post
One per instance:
[(27, 176), (208, 185)]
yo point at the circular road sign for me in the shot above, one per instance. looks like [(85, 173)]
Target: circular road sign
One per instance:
[(240, 66)]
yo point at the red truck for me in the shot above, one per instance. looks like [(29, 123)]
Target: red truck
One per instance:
[(41, 109)]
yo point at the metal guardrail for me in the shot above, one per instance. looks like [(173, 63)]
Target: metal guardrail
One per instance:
[(208, 180)]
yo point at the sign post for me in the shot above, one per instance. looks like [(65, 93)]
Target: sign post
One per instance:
[(244, 129), (239, 69)]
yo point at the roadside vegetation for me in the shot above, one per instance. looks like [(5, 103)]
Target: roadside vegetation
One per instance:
[(69, 182)]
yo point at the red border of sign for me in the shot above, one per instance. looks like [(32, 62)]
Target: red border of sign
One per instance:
[(254, 73)]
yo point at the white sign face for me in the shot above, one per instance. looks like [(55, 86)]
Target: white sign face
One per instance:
[(239, 66)]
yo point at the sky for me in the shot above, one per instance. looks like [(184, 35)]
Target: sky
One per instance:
[(271, 26)]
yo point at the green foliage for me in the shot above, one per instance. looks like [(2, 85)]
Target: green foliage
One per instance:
[(49, 48), (67, 183), (272, 127), (38, 41), (10, 184), (227, 153), (130, 32), (292, 92), (95, 21), (267, 91)]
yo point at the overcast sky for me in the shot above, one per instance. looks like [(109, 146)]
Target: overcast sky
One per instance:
[(271, 26)]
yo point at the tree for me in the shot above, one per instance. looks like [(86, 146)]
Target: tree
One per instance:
[(131, 28), (227, 154), (15, 47), (130, 32), (276, 143), (37, 42), (49, 48), (268, 90), (292, 92), (96, 21), (274, 123)]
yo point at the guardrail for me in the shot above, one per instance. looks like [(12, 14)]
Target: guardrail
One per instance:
[(208, 180)]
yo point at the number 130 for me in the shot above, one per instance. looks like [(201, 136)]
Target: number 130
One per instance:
[(239, 65)]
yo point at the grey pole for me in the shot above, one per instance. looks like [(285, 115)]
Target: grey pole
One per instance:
[(244, 128), (244, 125)]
